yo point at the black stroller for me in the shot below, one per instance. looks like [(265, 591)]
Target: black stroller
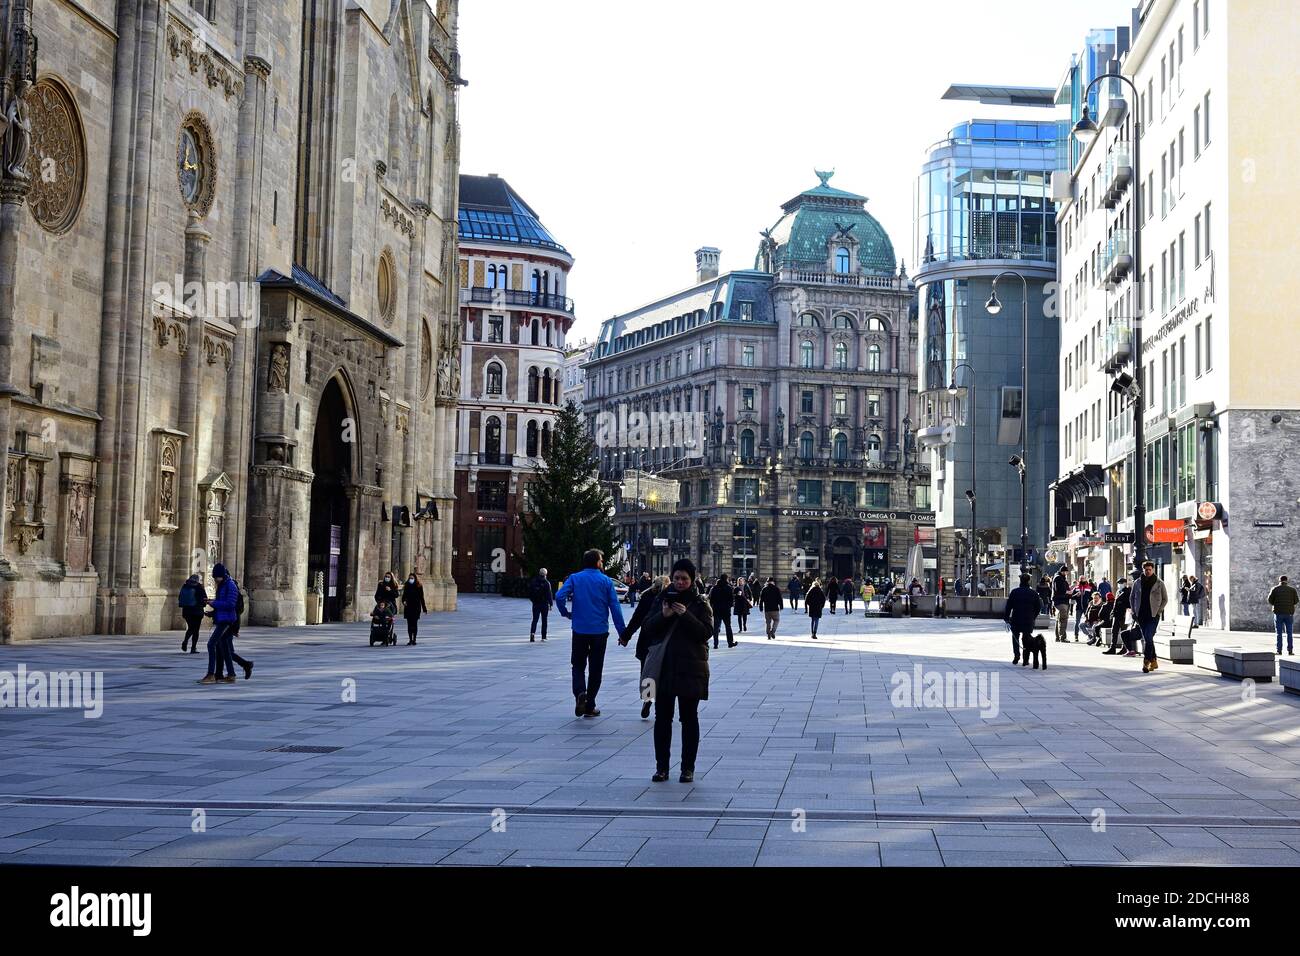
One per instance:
[(381, 625)]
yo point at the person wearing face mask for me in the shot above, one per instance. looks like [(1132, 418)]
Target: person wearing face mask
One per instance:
[(387, 592), (413, 606)]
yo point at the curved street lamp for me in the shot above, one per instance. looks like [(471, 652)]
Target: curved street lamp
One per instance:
[(1085, 131), (994, 306), (973, 551)]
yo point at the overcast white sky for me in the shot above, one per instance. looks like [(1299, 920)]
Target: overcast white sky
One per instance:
[(642, 131)]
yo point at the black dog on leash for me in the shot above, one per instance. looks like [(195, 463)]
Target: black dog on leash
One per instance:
[(1035, 644)]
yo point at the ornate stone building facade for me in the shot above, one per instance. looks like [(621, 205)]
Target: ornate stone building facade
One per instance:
[(797, 376), (227, 277), (515, 316)]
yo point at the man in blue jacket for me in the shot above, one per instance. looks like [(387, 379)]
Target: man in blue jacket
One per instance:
[(225, 616), (594, 600), (1021, 613)]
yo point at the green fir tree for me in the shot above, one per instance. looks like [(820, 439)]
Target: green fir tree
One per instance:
[(572, 512)]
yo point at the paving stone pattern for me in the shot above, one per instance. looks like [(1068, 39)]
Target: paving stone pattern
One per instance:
[(464, 750)]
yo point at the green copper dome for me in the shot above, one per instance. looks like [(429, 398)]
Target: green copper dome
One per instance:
[(801, 237)]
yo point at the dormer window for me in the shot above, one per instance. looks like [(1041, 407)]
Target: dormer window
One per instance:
[(747, 312), (842, 261)]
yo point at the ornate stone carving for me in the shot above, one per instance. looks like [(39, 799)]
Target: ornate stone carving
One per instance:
[(171, 330), (426, 361), (400, 220), (180, 41), (214, 490), (196, 163), (26, 504), (168, 461), (56, 163), (277, 377), (217, 350)]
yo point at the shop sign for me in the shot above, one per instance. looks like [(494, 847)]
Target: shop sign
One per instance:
[(1167, 532), (805, 513), (1118, 537), (1270, 524), (1209, 511), (916, 517)]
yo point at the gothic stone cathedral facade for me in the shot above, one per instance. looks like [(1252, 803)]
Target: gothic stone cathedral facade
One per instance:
[(227, 306)]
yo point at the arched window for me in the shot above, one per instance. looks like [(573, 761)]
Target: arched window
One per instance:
[(394, 137), (841, 355), (492, 439), (842, 261), (503, 278), (546, 387), (843, 321), (808, 321), (841, 446), (873, 447), (494, 375), (877, 324), (546, 439), (537, 280), (533, 382), (537, 331), (492, 277), (747, 443), (873, 358), (531, 440), (806, 445), (548, 333), (805, 355)]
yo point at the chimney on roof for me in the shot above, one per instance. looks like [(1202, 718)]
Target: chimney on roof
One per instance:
[(706, 263)]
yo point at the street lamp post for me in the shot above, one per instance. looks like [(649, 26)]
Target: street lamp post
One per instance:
[(1085, 131), (972, 558), (994, 307)]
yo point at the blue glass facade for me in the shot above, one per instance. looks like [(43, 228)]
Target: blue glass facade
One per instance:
[(984, 192)]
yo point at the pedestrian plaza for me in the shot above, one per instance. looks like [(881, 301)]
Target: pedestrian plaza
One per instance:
[(464, 750)]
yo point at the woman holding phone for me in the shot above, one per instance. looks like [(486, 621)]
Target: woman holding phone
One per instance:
[(676, 637)]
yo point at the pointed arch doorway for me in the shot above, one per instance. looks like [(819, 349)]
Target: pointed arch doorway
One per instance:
[(329, 553)]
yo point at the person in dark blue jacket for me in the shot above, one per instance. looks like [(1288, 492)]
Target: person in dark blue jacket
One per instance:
[(192, 599), (1021, 613), (225, 615), (594, 600)]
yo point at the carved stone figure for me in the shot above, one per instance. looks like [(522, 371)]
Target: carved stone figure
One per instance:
[(277, 379)]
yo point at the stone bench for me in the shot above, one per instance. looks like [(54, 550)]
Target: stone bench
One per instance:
[(1289, 674), (1238, 663), (1174, 641)]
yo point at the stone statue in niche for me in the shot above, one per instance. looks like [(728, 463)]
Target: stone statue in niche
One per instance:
[(165, 494), (444, 375), (77, 515), (277, 379)]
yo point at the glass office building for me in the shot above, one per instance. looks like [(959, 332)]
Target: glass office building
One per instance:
[(984, 207)]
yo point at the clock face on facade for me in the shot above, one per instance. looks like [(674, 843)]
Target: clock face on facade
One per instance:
[(195, 170)]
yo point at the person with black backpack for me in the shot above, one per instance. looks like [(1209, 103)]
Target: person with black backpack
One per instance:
[(192, 599), (542, 596)]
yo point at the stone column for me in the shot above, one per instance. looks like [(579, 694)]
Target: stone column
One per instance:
[(19, 70), (118, 524), (187, 510), (236, 455), (417, 422)]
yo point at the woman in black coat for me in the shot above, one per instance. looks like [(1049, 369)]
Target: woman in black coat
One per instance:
[(413, 605), (813, 603), (684, 619), (387, 592), (744, 601)]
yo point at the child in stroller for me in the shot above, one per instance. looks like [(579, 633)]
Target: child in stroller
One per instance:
[(381, 625)]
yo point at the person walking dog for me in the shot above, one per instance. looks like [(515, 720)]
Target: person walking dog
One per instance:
[(1021, 614), (594, 602)]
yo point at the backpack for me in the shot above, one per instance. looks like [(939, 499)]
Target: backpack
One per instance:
[(187, 598), (239, 598)]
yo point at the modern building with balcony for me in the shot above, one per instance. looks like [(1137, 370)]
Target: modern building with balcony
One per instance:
[(515, 316), (984, 209), (1221, 410), (786, 392)]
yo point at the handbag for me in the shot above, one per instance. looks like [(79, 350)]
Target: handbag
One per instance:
[(653, 664)]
